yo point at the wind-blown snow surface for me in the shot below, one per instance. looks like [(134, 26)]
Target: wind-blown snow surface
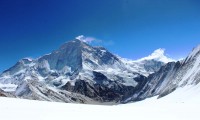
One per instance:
[(182, 104)]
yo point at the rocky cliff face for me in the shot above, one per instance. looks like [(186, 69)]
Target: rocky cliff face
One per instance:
[(78, 72), (149, 64), (103, 89), (2, 95), (172, 76)]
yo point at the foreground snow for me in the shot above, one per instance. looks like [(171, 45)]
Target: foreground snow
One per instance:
[(182, 104)]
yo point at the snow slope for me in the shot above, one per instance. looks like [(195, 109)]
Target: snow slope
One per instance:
[(172, 76), (150, 64), (158, 55), (75, 66), (182, 104)]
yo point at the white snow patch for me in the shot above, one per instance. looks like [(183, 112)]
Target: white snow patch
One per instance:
[(192, 72), (28, 58), (20, 71), (103, 51), (182, 104), (8, 87), (159, 55)]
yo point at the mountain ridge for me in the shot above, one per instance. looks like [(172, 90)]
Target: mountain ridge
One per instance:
[(172, 76), (78, 72)]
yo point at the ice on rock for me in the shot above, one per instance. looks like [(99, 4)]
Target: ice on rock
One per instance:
[(80, 73)]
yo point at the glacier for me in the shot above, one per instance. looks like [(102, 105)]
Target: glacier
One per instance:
[(80, 73)]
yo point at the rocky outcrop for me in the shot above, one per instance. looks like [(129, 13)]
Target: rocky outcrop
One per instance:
[(2, 95), (80, 73), (172, 76), (104, 90)]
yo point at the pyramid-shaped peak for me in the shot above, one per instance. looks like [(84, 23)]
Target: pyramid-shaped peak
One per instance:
[(73, 43), (158, 55)]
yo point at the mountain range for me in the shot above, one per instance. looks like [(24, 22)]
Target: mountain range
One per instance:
[(80, 73)]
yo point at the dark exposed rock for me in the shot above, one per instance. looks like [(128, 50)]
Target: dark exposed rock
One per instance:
[(78, 72), (2, 95), (103, 89)]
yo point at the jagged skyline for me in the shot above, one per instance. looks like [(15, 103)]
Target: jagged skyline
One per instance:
[(129, 28)]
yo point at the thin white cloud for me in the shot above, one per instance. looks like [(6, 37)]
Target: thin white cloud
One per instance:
[(86, 39), (94, 41)]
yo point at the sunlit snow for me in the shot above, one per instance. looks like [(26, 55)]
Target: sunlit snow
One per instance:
[(182, 104), (159, 55)]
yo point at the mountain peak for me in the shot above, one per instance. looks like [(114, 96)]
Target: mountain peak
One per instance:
[(73, 43), (80, 37), (158, 55)]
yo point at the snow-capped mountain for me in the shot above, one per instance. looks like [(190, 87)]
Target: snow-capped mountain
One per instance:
[(172, 76), (149, 64), (76, 72), (157, 55)]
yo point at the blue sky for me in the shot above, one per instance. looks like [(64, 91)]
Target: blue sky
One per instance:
[(129, 28)]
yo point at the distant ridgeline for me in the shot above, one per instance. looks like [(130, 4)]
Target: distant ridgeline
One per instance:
[(80, 73)]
